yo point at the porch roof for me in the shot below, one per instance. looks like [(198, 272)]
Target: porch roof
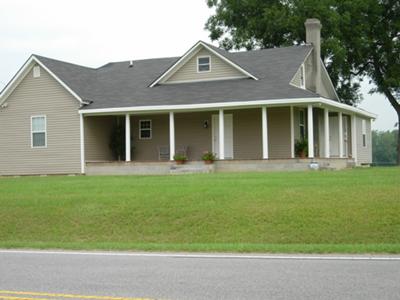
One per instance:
[(116, 85)]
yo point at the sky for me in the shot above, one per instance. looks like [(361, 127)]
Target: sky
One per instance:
[(93, 33)]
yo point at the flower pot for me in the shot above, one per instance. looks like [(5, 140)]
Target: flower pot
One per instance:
[(179, 162), (208, 162), (302, 154)]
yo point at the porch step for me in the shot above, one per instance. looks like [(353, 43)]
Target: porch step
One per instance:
[(191, 168)]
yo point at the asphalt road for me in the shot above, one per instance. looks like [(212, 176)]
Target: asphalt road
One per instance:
[(182, 277)]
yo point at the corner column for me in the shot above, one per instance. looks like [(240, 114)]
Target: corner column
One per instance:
[(340, 114), (171, 135), (82, 141), (127, 137), (353, 138), (264, 118), (221, 141), (326, 133), (310, 127), (291, 132)]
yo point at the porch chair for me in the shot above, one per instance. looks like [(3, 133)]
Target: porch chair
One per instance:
[(163, 152)]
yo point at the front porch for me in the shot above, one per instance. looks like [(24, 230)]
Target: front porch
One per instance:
[(243, 139)]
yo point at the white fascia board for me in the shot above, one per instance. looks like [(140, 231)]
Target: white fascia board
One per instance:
[(191, 52), (219, 105), (23, 72)]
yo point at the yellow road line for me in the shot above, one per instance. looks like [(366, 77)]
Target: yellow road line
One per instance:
[(19, 298), (60, 296)]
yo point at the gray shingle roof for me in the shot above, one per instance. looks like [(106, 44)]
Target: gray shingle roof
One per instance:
[(118, 85)]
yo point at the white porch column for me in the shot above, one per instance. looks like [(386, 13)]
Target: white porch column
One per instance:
[(82, 140), (326, 133), (291, 132), (310, 127), (221, 141), (340, 114), (264, 118), (353, 138), (127, 137), (171, 135)]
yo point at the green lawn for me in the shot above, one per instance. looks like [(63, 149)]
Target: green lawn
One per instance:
[(352, 211)]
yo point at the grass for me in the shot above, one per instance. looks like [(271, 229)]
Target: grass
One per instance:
[(351, 211)]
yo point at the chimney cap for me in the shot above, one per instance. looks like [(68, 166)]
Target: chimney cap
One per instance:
[(313, 22)]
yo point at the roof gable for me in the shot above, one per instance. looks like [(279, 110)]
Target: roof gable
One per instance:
[(186, 63), (24, 71)]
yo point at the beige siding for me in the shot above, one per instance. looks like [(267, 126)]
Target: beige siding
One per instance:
[(219, 69), (279, 132), (247, 134), (97, 138), (364, 154), (40, 96), (297, 78), (326, 86), (190, 133), (147, 150)]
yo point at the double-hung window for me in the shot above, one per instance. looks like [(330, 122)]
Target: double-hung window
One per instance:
[(302, 124), (203, 64), (38, 132), (145, 129), (364, 133)]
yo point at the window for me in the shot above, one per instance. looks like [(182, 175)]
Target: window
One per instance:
[(302, 77), (145, 129), (38, 132), (203, 64), (364, 133), (36, 71), (302, 125)]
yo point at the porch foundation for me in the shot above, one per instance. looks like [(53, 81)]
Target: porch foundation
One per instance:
[(221, 166)]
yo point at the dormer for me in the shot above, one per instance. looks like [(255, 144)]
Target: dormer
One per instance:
[(202, 63)]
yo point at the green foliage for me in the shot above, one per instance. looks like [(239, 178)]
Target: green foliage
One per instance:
[(344, 211), (180, 157), (117, 139), (359, 37), (301, 147), (208, 155), (384, 147)]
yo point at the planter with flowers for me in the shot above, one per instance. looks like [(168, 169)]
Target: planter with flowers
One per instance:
[(180, 159), (301, 148), (208, 157)]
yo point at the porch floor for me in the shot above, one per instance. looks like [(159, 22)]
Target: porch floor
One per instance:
[(190, 167)]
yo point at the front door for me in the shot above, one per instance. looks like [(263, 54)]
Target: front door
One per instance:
[(334, 135), (228, 135)]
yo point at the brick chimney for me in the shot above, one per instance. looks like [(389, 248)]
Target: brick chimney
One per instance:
[(313, 37)]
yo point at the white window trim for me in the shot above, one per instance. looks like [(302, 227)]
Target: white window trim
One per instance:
[(45, 132), (36, 71), (140, 129), (203, 56), (364, 133)]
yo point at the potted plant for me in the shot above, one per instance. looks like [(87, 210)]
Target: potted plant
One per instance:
[(180, 158), (208, 157), (301, 148)]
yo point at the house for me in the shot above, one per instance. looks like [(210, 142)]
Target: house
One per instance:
[(249, 108)]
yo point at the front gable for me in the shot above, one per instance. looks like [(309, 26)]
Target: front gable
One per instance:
[(219, 69), (186, 68), (303, 78)]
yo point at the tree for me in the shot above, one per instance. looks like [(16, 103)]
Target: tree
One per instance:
[(384, 147), (360, 38)]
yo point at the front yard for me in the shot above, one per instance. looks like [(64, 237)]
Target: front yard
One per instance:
[(352, 211)]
